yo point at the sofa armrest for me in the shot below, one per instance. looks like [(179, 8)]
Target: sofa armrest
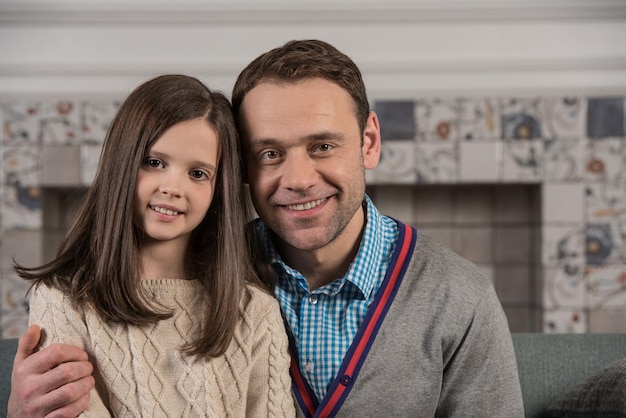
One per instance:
[(7, 353), (551, 364)]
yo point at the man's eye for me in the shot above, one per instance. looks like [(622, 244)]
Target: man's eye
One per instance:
[(269, 155), (324, 147), (199, 174)]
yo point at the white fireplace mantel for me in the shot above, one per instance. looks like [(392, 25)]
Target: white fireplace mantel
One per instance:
[(405, 48)]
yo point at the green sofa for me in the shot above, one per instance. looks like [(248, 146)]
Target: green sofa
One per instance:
[(549, 364)]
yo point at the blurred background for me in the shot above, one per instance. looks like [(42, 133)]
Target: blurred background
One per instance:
[(503, 126)]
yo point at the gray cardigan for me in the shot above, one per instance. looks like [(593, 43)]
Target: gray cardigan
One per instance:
[(440, 345)]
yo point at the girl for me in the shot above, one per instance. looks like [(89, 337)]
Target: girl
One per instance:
[(155, 279)]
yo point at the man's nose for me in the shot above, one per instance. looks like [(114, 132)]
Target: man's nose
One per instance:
[(299, 172)]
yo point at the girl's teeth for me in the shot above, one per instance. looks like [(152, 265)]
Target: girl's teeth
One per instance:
[(165, 211)]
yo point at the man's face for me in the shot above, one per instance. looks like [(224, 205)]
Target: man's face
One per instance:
[(306, 160)]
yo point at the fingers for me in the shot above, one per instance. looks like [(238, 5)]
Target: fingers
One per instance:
[(55, 380), (27, 344), (68, 400)]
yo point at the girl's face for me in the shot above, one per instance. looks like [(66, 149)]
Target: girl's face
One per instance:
[(176, 182)]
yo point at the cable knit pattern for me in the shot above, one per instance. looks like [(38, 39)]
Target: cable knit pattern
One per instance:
[(140, 371)]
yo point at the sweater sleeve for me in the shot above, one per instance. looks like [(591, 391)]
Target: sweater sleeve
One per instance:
[(480, 377), (65, 324), (269, 390)]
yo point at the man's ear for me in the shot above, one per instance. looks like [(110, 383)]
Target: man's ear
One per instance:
[(371, 142)]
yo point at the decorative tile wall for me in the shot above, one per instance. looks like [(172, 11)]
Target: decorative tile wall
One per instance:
[(573, 149)]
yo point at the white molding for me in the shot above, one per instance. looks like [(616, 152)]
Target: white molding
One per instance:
[(367, 65), (276, 12)]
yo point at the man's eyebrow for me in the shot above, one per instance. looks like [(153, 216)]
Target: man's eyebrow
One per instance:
[(257, 143)]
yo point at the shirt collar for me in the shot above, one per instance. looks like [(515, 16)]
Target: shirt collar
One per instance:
[(363, 271)]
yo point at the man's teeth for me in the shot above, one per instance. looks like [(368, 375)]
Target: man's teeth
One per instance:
[(164, 211), (306, 206)]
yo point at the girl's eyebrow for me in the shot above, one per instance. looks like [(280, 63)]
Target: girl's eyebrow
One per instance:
[(194, 163)]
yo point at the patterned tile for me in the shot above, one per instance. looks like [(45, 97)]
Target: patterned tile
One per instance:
[(22, 166), (523, 161), (21, 123), (607, 287), (564, 287), (397, 163), (572, 321), (21, 207), (437, 120), (562, 160), (97, 116), (436, 163), (605, 160), (479, 119), (565, 117), (563, 246), (605, 202), (605, 244), (522, 118)]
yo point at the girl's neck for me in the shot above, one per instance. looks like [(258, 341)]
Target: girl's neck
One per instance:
[(163, 260)]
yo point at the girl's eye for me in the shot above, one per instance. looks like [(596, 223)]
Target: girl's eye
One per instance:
[(199, 174), (153, 162)]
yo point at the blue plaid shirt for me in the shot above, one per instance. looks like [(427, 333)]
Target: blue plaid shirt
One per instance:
[(324, 322)]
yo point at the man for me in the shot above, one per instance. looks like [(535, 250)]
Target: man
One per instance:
[(383, 320)]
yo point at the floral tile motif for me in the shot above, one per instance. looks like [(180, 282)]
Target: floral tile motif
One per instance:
[(397, 118), (523, 161), (20, 207), (562, 160), (479, 119), (21, 166), (397, 163), (90, 157), (437, 120), (564, 287), (21, 123), (605, 117), (605, 244), (563, 247), (522, 118), (558, 321), (565, 117), (96, 119), (59, 123), (436, 163), (605, 160), (607, 287), (36, 123), (605, 202)]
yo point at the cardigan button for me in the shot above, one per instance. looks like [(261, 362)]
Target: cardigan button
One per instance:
[(346, 380)]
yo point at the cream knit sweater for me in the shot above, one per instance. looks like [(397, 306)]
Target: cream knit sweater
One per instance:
[(140, 371)]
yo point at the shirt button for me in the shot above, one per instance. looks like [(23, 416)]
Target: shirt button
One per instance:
[(312, 299), (308, 366)]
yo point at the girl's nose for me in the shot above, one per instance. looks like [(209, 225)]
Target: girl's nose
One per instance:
[(170, 186)]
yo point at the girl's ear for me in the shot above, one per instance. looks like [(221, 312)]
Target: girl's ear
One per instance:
[(371, 142)]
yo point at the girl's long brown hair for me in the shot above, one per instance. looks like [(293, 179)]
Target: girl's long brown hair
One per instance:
[(98, 260)]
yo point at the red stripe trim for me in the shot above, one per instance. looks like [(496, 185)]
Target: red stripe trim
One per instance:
[(299, 381), (372, 324)]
